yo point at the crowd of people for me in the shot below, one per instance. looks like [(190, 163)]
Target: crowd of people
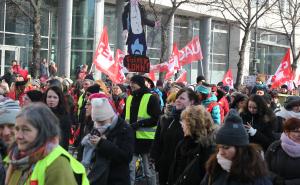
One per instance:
[(54, 130)]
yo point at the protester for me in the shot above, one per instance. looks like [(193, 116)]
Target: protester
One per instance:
[(209, 101), (283, 156), (54, 98), (290, 109), (235, 160), (36, 157), (239, 103), (113, 143), (119, 96), (188, 166), (169, 132), (142, 111), (32, 96), (259, 121)]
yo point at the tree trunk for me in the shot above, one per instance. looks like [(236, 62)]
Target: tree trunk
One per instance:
[(36, 41), (163, 49), (240, 64)]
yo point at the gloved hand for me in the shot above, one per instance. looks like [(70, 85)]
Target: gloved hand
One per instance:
[(135, 125), (251, 131)]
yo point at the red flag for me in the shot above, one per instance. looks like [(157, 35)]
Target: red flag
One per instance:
[(151, 75), (228, 78), (104, 61), (173, 62), (284, 71), (182, 77), (191, 52), (162, 67)]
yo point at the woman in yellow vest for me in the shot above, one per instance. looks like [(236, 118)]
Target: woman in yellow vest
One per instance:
[(36, 158)]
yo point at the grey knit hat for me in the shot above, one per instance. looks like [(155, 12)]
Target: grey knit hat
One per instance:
[(291, 101), (8, 111), (233, 132)]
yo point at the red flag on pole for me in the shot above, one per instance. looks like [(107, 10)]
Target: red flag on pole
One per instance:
[(228, 79), (104, 61), (284, 71), (151, 75), (191, 52), (182, 77), (173, 63)]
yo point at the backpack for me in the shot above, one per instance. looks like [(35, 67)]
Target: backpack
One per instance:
[(210, 107)]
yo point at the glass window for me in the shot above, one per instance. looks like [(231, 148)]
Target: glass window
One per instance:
[(110, 22), (83, 19), (2, 5), (80, 57), (18, 40), (1, 38), (44, 43), (219, 52), (82, 44)]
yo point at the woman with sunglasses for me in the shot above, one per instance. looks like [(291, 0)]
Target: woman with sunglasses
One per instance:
[(283, 156), (235, 162)]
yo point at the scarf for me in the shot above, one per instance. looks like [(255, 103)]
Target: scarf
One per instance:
[(24, 160), (289, 146), (224, 163), (288, 114)]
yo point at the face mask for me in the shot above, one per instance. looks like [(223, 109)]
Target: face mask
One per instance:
[(102, 128), (224, 163)]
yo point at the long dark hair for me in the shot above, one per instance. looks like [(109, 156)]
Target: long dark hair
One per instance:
[(263, 111), (62, 106), (247, 165)]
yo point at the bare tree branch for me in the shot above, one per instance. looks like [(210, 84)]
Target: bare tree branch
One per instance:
[(20, 7)]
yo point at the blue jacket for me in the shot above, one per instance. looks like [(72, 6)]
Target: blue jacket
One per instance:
[(215, 113)]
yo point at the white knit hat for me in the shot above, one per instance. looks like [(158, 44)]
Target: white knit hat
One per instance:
[(101, 109)]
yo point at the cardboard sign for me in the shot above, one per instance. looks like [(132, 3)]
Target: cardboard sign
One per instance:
[(137, 63)]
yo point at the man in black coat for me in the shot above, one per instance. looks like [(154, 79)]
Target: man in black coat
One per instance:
[(142, 113)]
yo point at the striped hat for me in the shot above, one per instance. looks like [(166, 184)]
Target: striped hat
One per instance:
[(8, 111)]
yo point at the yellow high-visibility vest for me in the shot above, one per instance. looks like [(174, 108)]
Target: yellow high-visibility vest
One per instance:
[(142, 132), (39, 170)]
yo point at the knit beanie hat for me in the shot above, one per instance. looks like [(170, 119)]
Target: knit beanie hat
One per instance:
[(203, 89), (232, 133), (101, 109), (35, 95), (93, 89), (139, 80), (291, 101), (9, 109)]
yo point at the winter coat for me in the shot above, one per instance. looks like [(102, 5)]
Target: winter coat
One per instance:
[(188, 166), (222, 179), (284, 169), (118, 149), (65, 128), (142, 146), (168, 134), (215, 113), (264, 135)]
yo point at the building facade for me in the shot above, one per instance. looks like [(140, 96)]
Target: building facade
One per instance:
[(70, 32)]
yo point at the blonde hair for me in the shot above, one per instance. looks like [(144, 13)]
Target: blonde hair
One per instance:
[(102, 86), (200, 124)]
